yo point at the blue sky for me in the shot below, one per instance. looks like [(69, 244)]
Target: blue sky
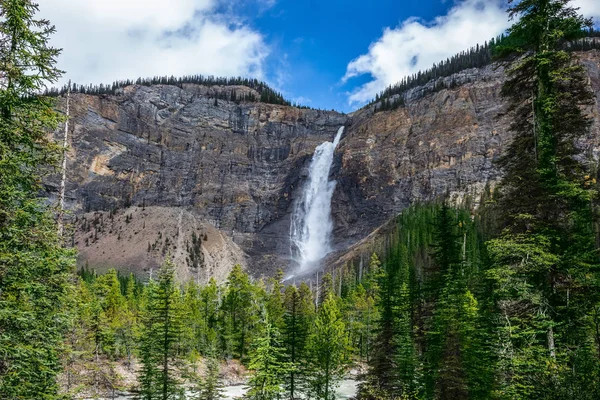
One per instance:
[(313, 41), (326, 54)]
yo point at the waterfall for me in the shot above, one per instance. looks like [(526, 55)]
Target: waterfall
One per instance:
[(311, 225)]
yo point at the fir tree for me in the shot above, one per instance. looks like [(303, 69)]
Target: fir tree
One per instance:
[(544, 258), (274, 303), (160, 335), (240, 313), (268, 369), (209, 304), (386, 374), (210, 386), (328, 347), (298, 317), (34, 266)]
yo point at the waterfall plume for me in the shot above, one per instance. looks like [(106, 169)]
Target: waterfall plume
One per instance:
[(311, 226)]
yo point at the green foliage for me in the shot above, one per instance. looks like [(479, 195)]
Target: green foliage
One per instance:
[(240, 313), (162, 325), (429, 334), (34, 267), (268, 369), (274, 300), (210, 387), (328, 348), (266, 93), (542, 262), (297, 320)]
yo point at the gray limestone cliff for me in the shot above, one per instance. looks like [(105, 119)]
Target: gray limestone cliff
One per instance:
[(171, 170)]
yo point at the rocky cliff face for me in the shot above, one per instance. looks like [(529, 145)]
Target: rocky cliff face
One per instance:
[(442, 143), (197, 159), (192, 166)]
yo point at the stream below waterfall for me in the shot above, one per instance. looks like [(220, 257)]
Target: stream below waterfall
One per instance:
[(346, 390)]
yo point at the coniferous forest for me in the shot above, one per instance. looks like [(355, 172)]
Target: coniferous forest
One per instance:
[(494, 298)]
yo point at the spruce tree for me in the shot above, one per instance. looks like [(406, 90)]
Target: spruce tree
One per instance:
[(160, 336), (267, 365), (240, 311), (456, 364), (209, 304), (298, 317), (328, 347), (274, 302), (392, 362), (210, 386), (34, 268), (543, 261)]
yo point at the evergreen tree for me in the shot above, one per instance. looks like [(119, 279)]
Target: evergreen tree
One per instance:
[(268, 369), (328, 347), (160, 336), (274, 303), (209, 304), (210, 386), (392, 362), (326, 288), (240, 311), (34, 268), (457, 364), (193, 326), (298, 317), (543, 261)]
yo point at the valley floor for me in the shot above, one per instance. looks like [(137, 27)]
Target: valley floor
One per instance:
[(346, 390), (106, 380)]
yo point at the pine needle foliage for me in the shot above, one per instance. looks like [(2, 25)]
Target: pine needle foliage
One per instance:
[(34, 266)]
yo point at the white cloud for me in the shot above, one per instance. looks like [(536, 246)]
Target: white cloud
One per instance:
[(105, 40), (415, 45), (589, 8)]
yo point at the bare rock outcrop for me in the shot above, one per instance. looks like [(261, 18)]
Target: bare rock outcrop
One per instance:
[(197, 164)]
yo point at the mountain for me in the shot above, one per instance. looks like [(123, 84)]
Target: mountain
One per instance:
[(179, 169)]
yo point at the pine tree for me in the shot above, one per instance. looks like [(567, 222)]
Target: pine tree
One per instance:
[(268, 369), (274, 303), (209, 305), (160, 335), (457, 364), (326, 288), (35, 268), (298, 317), (384, 378), (542, 262), (193, 325), (240, 311), (210, 386), (360, 307), (328, 347)]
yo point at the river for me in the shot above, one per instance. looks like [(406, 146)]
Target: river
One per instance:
[(346, 390)]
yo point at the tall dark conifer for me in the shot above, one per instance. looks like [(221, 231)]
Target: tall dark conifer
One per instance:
[(34, 268), (162, 326), (544, 262)]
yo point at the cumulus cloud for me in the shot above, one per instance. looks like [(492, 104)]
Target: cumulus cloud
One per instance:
[(415, 44), (589, 8), (106, 40)]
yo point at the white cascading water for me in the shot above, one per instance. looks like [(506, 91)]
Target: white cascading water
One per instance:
[(311, 225)]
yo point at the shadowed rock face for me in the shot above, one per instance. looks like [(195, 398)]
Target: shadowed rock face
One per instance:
[(238, 167)]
